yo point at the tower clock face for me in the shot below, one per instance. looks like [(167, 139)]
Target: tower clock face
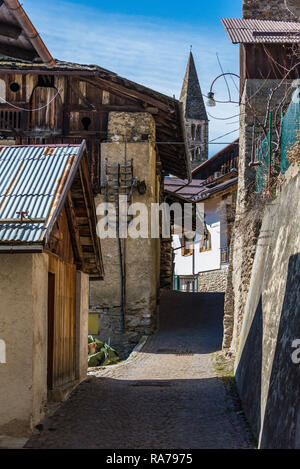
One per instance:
[(294, 7)]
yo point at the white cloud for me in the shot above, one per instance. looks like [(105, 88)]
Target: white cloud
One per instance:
[(150, 51)]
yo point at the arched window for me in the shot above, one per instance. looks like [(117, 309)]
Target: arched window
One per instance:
[(193, 129), (50, 115)]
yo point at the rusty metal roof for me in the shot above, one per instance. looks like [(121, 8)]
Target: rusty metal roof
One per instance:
[(198, 189), (249, 31), (33, 179)]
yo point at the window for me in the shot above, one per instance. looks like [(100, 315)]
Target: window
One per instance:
[(15, 87), (46, 81), (86, 122), (193, 131), (188, 284), (206, 243), (10, 120)]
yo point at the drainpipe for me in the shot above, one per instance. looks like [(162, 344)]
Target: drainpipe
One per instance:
[(16, 9), (194, 264)]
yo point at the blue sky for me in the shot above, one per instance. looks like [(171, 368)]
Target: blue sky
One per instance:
[(147, 42)]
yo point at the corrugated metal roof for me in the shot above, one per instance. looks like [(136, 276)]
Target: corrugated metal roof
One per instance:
[(31, 179), (249, 31), (197, 189)]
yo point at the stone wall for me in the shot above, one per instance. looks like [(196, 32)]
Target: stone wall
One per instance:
[(142, 254), (213, 281), (166, 264), (271, 9), (267, 378)]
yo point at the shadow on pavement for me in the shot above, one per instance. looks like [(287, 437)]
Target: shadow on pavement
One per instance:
[(145, 414)]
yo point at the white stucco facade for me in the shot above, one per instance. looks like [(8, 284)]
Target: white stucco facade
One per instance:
[(209, 260)]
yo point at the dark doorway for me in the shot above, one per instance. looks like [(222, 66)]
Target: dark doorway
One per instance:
[(51, 296)]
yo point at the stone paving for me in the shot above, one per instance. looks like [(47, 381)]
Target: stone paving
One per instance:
[(167, 397)]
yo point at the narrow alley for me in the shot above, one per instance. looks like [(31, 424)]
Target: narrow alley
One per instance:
[(168, 396)]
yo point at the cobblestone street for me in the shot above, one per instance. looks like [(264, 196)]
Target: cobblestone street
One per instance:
[(167, 397)]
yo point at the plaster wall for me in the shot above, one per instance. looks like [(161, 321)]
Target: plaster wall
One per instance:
[(215, 217), (82, 314), (23, 328)]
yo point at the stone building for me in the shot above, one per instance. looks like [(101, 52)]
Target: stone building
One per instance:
[(196, 120), (124, 306), (203, 266), (268, 66), (271, 9), (48, 251)]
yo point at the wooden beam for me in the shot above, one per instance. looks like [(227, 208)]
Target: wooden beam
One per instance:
[(152, 110), (82, 97), (10, 30), (112, 86), (17, 52), (106, 88), (105, 108), (92, 219)]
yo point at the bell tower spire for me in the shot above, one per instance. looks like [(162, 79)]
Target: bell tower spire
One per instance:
[(195, 114)]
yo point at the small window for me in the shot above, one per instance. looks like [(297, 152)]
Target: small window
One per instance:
[(14, 87), (86, 122), (193, 131), (46, 81), (206, 243)]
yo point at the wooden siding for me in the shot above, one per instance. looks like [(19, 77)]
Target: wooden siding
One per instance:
[(80, 111), (49, 117), (61, 242), (64, 333), (268, 61)]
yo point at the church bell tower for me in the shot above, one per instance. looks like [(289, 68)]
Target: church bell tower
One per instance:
[(195, 115)]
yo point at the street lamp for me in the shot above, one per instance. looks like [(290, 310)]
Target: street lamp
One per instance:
[(211, 102)]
